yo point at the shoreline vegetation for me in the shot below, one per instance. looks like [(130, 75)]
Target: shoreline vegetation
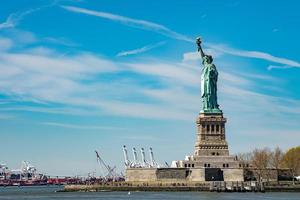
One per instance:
[(265, 159)]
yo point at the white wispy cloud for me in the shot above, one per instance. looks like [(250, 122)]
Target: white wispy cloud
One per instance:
[(254, 54), (76, 126), (137, 23), (15, 18), (270, 67), (65, 110), (141, 50), (170, 71)]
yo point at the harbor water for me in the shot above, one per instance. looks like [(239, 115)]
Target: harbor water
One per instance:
[(49, 192)]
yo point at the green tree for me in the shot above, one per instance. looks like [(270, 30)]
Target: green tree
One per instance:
[(291, 160)]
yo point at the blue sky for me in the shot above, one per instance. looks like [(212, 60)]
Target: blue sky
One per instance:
[(83, 75)]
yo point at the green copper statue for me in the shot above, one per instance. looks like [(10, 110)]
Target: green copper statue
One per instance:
[(209, 78)]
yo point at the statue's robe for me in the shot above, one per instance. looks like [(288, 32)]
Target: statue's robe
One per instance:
[(209, 79)]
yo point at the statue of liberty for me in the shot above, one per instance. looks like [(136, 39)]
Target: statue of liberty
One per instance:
[(209, 78)]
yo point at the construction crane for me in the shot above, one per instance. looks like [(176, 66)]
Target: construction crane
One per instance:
[(26, 167), (135, 158), (136, 163), (144, 162), (110, 171), (127, 161), (153, 163), (167, 164)]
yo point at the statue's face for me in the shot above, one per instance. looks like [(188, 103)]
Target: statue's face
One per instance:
[(208, 59)]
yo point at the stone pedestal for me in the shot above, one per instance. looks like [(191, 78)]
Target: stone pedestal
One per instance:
[(211, 139), (211, 154)]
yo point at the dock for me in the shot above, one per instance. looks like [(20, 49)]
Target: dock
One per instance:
[(217, 186)]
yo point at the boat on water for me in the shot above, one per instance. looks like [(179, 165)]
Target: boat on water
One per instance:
[(25, 176)]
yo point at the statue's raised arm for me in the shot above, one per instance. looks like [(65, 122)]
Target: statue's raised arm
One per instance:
[(198, 42)]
